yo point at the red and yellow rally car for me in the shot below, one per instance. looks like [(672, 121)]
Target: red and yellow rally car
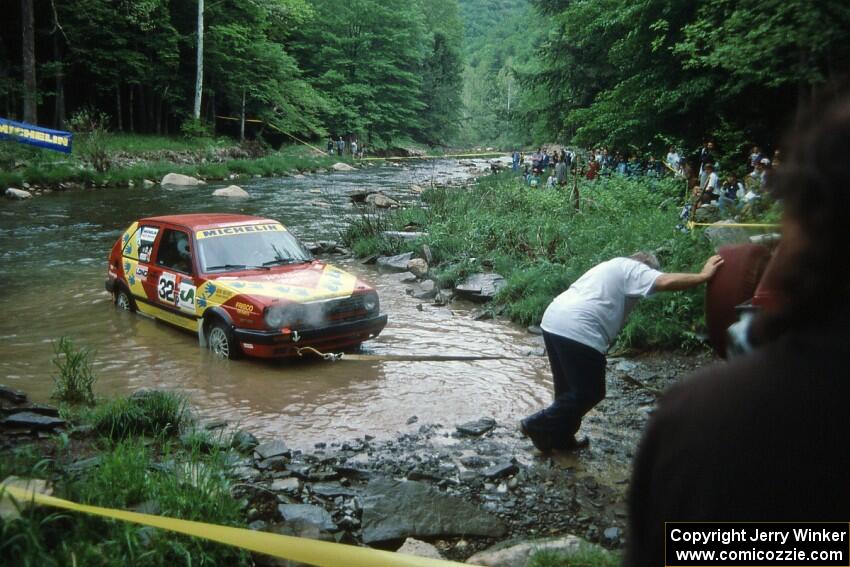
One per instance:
[(244, 284)]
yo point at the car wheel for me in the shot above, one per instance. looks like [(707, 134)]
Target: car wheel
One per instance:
[(124, 301), (221, 342)]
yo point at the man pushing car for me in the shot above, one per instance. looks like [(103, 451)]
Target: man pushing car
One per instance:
[(579, 327)]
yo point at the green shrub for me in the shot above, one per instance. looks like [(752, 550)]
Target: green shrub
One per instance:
[(585, 556), (147, 412), (538, 241), (75, 378)]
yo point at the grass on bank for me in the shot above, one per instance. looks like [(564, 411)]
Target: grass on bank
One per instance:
[(20, 164), (154, 473), (587, 556), (537, 240)]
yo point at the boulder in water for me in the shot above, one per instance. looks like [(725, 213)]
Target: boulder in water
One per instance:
[(381, 201), (233, 191), (480, 287), (13, 193), (339, 166), (181, 180)]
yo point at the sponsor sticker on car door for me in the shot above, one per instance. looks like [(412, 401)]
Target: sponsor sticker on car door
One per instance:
[(186, 296)]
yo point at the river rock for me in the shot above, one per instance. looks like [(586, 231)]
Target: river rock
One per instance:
[(231, 191), (408, 277), (34, 421), (181, 180), (477, 427), (397, 263), (419, 548), (418, 267), (500, 470), (243, 441), (290, 485), (331, 490), (147, 183), (339, 166), (518, 555), (12, 395), (404, 235), (393, 510), (425, 290), (271, 449), (720, 235), (359, 195), (480, 287), (307, 513), (18, 194), (381, 201)]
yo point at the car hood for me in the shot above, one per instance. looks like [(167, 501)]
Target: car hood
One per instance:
[(313, 282)]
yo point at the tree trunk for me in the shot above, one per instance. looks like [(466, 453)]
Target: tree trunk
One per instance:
[(158, 113), (199, 73), (242, 119), (28, 53), (132, 109), (118, 112), (59, 99), (143, 110)]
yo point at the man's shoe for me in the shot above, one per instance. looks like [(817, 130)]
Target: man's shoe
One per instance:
[(572, 443), (541, 442)]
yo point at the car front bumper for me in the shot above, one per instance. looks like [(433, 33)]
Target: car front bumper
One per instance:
[(277, 344)]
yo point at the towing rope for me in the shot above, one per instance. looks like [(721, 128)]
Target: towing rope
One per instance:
[(334, 356), (734, 225)]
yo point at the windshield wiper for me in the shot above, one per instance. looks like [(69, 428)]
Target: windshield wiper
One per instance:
[(283, 261), (236, 267)]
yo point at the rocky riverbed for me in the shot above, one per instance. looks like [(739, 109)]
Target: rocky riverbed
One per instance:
[(463, 487)]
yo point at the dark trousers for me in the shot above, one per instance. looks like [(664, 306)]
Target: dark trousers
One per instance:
[(578, 373)]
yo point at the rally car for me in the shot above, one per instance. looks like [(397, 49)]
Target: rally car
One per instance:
[(244, 284)]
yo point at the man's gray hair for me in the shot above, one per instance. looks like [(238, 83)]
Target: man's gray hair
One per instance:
[(647, 258)]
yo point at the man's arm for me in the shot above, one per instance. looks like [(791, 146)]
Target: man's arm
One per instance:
[(678, 282)]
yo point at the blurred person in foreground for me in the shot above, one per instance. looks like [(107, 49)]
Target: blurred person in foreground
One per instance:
[(765, 437)]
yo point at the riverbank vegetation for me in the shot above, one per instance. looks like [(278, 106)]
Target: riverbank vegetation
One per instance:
[(540, 243), (127, 454), (135, 159)]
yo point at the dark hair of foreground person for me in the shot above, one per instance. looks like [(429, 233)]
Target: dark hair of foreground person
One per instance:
[(765, 436)]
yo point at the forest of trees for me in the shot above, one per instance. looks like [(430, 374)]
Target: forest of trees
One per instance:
[(382, 70), (639, 73)]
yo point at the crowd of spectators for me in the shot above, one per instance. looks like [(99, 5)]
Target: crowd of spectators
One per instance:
[(719, 191)]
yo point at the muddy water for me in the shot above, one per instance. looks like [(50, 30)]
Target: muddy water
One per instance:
[(52, 262)]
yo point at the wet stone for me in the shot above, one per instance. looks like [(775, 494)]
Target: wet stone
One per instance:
[(331, 489), (271, 449), (477, 427), (611, 535), (286, 485), (307, 513), (500, 470), (12, 395), (243, 441), (473, 462), (34, 421)]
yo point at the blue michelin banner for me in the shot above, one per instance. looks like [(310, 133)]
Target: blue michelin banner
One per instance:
[(24, 133)]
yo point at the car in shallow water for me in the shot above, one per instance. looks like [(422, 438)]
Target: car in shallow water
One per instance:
[(244, 284)]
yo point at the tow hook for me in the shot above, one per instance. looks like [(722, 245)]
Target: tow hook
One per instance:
[(295, 337)]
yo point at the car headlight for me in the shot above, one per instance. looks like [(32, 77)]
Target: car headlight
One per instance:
[(370, 302), (279, 316)]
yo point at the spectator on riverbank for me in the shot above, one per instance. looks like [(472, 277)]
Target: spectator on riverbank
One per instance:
[(515, 160), (673, 159), (731, 193), (354, 148), (340, 146), (708, 189), (706, 155), (561, 172), (717, 448), (755, 157), (330, 146), (579, 327)]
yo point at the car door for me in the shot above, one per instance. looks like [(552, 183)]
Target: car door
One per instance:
[(137, 255), (171, 277)]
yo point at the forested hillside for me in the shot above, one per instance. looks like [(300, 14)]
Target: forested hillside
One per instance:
[(383, 71), (631, 74)]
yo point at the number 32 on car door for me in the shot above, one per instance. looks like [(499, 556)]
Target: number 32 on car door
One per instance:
[(166, 287)]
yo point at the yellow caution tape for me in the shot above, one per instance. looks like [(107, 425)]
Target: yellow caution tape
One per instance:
[(257, 121), (322, 553), (734, 225), (434, 157)]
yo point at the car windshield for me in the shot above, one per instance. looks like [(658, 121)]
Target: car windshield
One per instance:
[(234, 249)]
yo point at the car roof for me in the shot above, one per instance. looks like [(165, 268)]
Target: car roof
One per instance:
[(199, 221)]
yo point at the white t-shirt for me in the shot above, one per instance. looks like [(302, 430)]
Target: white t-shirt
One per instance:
[(594, 309)]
